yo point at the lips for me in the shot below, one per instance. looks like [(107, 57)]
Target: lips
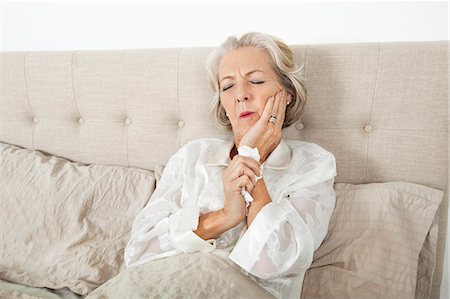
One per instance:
[(246, 114)]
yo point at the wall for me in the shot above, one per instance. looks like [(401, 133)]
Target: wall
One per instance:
[(114, 25)]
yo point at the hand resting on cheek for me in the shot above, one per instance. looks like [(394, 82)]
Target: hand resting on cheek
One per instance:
[(266, 135)]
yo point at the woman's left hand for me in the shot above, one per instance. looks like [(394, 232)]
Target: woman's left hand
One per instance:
[(264, 134)]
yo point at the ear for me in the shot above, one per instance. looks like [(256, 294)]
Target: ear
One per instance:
[(289, 99)]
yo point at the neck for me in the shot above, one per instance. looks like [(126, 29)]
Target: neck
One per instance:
[(234, 151)]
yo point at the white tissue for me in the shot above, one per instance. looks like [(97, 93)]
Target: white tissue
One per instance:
[(252, 153)]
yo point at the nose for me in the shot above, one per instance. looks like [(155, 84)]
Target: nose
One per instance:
[(238, 99), (242, 92)]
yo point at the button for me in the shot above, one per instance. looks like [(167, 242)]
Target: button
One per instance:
[(36, 119), (81, 120), (299, 126), (181, 124), (368, 128), (128, 121)]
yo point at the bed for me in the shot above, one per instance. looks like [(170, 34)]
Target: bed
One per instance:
[(85, 136)]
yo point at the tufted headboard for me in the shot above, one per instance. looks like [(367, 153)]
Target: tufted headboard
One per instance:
[(381, 108)]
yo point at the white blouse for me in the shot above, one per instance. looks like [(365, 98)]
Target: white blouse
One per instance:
[(277, 248)]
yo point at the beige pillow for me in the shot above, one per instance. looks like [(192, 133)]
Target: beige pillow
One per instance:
[(376, 234), (65, 224)]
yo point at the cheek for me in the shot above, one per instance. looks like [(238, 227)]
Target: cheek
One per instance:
[(226, 99), (228, 106), (268, 91), (261, 103)]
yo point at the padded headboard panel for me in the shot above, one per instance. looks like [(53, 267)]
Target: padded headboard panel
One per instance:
[(381, 108)]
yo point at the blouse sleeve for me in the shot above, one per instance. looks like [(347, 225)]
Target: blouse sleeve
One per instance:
[(165, 227), (285, 233)]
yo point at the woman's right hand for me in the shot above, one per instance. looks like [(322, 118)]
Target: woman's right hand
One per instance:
[(241, 171)]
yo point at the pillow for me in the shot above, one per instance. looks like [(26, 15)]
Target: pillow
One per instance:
[(427, 262), (375, 236), (187, 275), (65, 224), (19, 291)]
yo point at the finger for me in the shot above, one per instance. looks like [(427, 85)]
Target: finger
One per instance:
[(244, 170), (268, 109), (249, 185), (244, 181), (276, 104), (250, 163), (249, 167), (281, 113)]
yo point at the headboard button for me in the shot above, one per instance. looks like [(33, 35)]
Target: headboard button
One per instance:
[(36, 120), (368, 128), (181, 124), (128, 121), (81, 121)]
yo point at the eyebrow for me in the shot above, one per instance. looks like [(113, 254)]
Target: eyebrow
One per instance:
[(231, 77)]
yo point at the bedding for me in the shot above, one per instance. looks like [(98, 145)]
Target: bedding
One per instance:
[(65, 224), (188, 275), (376, 234), (9, 290)]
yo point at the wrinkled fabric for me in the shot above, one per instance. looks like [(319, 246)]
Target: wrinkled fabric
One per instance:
[(376, 237), (65, 224), (277, 248), (10, 290), (188, 276)]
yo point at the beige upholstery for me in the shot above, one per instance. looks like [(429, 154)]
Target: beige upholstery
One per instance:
[(381, 108)]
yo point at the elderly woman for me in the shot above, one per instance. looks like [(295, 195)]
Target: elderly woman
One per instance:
[(258, 200)]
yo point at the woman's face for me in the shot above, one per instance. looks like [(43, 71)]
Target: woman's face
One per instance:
[(246, 82)]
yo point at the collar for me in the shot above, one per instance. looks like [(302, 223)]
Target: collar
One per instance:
[(278, 160)]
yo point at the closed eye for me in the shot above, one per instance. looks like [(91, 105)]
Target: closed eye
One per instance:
[(257, 82), (227, 87), (231, 85)]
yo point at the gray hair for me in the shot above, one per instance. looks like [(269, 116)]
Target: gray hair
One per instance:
[(283, 63)]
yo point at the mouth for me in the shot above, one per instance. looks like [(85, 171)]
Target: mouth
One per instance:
[(246, 114)]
